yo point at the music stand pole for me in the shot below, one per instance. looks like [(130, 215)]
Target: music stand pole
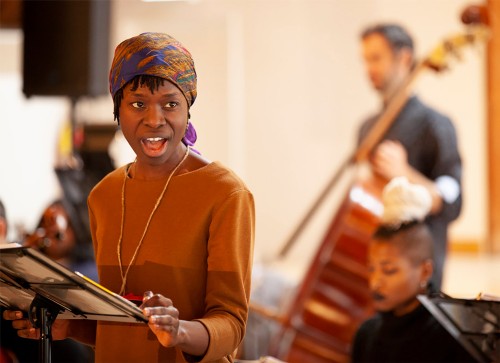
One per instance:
[(45, 336), (42, 314)]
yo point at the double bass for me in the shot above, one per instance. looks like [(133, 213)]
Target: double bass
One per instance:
[(333, 298)]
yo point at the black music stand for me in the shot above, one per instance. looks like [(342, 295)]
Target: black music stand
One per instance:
[(33, 283), (475, 324)]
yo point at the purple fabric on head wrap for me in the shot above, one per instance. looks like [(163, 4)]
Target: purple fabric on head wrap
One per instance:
[(155, 54)]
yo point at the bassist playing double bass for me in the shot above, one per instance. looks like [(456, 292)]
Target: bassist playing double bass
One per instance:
[(421, 143)]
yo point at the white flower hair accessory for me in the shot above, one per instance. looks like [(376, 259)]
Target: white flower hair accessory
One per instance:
[(404, 202)]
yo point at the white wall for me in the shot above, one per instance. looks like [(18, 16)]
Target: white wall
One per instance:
[(281, 94)]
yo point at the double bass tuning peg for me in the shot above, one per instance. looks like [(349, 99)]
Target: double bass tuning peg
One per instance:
[(475, 15)]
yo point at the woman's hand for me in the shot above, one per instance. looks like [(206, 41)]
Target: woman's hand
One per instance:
[(26, 330), (163, 318)]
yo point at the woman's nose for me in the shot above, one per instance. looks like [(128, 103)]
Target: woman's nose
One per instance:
[(375, 280), (154, 117)]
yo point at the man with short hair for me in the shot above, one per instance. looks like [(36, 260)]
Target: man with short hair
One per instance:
[(421, 144)]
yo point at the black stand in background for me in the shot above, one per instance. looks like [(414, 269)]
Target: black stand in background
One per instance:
[(32, 282), (475, 324)]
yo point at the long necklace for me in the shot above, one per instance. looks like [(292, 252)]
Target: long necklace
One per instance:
[(158, 201)]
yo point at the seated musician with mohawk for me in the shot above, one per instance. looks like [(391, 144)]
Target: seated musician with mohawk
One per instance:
[(401, 265)]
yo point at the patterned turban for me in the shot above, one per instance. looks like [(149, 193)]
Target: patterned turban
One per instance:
[(155, 54)]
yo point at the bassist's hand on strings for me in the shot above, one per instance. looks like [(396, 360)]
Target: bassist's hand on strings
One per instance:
[(390, 160)]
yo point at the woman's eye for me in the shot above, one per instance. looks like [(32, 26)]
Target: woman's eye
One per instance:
[(390, 270), (170, 104), (137, 104)]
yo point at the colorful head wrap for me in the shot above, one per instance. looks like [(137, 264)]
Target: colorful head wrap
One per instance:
[(155, 54)]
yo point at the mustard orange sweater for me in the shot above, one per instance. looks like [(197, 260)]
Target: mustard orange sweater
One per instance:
[(197, 251)]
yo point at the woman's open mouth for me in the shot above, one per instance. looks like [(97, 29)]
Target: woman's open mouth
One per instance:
[(154, 146)]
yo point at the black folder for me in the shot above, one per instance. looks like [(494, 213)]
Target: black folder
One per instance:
[(26, 274), (474, 323)]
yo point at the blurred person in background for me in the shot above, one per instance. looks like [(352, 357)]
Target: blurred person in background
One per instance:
[(421, 143), (14, 349), (401, 265)]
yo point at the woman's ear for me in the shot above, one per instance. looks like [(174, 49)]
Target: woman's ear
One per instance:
[(427, 270)]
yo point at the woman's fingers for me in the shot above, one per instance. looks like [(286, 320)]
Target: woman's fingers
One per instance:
[(21, 324), (151, 299), (12, 315), (30, 333), (163, 320)]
